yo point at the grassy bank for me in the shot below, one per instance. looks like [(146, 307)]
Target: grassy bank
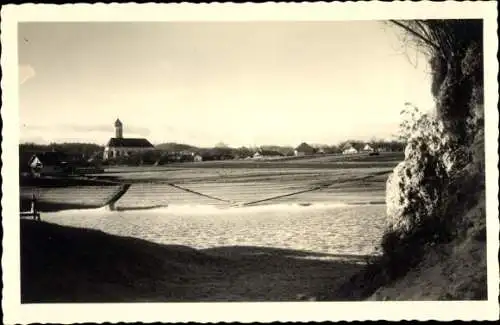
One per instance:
[(64, 264)]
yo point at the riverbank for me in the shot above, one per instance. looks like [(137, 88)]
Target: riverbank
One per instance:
[(456, 270), (451, 270), (65, 264)]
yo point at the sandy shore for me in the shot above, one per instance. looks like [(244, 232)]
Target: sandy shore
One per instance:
[(64, 264)]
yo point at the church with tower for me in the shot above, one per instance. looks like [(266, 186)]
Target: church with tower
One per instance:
[(120, 146)]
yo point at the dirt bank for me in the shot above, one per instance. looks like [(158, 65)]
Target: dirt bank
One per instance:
[(456, 270), (63, 264), (452, 271)]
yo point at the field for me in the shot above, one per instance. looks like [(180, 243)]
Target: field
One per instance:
[(286, 204), (347, 179), (315, 209)]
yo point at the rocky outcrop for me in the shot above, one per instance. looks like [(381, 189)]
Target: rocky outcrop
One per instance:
[(416, 188), (435, 244), (422, 187)]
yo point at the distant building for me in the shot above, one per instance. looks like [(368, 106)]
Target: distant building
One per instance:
[(184, 156), (120, 146), (217, 154), (267, 154), (386, 148), (368, 148), (48, 163), (350, 150), (304, 150)]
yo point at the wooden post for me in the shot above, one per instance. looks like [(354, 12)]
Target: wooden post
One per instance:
[(34, 208)]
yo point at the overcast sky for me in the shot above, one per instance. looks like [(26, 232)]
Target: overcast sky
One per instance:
[(242, 83)]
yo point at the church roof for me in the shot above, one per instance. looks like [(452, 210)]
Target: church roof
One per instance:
[(118, 122), (130, 142)]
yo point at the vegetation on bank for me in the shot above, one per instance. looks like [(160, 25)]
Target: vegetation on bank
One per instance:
[(434, 196)]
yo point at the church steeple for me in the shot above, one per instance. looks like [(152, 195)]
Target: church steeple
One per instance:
[(118, 129)]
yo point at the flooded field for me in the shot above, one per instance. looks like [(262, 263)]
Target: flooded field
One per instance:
[(319, 228), (328, 210)]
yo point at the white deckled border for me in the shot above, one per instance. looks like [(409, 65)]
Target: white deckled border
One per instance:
[(14, 312)]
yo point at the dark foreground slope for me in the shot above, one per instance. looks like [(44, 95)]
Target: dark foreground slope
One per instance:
[(63, 264)]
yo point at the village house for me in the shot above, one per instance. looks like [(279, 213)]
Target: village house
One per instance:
[(189, 156), (48, 164), (267, 154), (120, 146), (368, 148), (218, 153), (349, 149), (304, 150)]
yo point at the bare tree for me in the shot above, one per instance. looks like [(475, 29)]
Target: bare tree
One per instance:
[(454, 48)]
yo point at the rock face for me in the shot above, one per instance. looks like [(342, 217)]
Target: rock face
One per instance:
[(419, 187), (415, 189), (434, 247)]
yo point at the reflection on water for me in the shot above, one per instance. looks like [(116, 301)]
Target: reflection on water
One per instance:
[(334, 228)]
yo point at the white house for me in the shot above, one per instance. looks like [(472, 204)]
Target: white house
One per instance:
[(349, 151), (368, 148), (120, 146), (47, 163)]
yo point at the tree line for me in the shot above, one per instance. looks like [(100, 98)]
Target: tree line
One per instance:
[(179, 151), (77, 150)]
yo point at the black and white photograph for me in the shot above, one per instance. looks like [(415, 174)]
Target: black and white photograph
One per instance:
[(180, 161)]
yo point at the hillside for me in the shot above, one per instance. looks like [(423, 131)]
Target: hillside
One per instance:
[(434, 246), (452, 271), (451, 268)]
